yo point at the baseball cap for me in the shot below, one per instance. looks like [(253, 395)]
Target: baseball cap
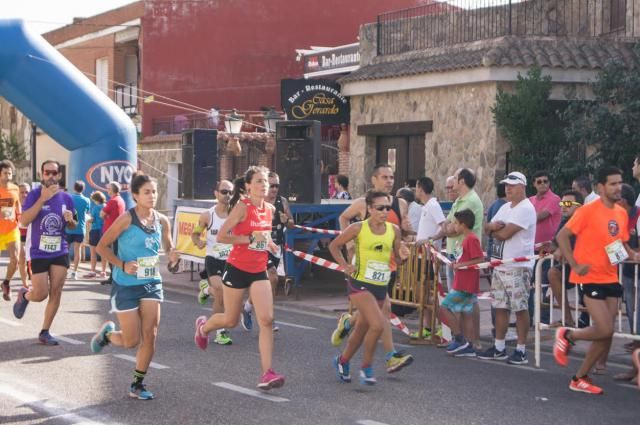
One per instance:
[(514, 177)]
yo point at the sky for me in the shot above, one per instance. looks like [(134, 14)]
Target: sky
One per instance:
[(45, 15)]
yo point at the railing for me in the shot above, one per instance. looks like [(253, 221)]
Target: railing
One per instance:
[(459, 21), (127, 98)]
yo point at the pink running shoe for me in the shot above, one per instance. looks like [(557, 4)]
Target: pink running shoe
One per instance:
[(201, 341), (270, 379)]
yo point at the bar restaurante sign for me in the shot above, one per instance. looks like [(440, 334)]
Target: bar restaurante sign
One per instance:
[(321, 100)]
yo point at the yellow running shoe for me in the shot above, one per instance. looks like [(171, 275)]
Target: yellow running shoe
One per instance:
[(398, 361), (342, 330)]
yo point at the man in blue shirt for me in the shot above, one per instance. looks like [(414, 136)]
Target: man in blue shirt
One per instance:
[(81, 205)]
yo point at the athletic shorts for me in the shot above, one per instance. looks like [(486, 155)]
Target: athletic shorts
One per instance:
[(127, 298), (72, 237), (238, 279), (272, 261), (10, 237), (213, 266), (355, 287), (602, 291), (94, 237), (42, 265), (510, 289), (460, 301)]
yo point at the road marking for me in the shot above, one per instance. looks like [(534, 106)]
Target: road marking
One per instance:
[(250, 392), (206, 309), (370, 422), (294, 325), (133, 360), (10, 322), (635, 387), (504, 363), (307, 313), (48, 409), (576, 358), (68, 340), (172, 302)]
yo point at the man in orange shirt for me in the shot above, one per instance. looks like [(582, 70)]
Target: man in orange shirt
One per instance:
[(601, 244), (9, 214)]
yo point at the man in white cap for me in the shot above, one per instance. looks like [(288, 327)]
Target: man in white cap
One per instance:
[(513, 230)]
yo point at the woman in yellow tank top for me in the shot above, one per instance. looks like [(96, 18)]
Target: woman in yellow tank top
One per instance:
[(376, 241)]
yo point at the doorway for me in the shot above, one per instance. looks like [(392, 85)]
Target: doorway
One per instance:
[(405, 154)]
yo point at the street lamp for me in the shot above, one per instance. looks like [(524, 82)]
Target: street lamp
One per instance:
[(233, 122), (270, 119)]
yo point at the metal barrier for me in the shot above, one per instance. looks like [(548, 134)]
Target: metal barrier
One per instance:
[(539, 326)]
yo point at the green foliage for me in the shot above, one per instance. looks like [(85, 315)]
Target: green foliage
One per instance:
[(11, 148)]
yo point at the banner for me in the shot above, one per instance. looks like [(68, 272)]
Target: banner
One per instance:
[(338, 60), (319, 100), (185, 221)]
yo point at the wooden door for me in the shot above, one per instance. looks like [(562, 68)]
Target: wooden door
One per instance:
[(405, 154)]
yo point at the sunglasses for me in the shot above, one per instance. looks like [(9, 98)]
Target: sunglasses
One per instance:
[(50, 173), (568, 204), (225, 192), (274, 186), (381, 207), (542, 181)]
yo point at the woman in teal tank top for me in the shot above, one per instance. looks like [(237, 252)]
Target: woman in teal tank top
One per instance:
[(376, 241), (136, 292)]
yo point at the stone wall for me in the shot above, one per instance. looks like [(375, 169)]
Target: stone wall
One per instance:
[(154, 157), (464, 134)]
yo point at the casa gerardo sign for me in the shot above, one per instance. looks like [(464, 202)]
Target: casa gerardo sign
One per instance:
[(314, 100)]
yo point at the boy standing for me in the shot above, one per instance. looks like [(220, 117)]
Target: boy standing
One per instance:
[(460, 302)]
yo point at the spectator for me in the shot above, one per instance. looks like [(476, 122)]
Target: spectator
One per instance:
[(414, 207), (635, 170), (583, 185), (631, 299), (547, 206), (115, 208), (25, 273), (449, 188), (98, 199), (410, 183), (493, 209), (75, 236), (342, 187)]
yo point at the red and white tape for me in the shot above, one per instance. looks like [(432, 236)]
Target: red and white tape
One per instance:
[(315, 260), (395, 321), (496, 263), (316, 230)]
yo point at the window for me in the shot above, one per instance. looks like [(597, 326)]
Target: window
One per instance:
[(618, 14), (102, 75)]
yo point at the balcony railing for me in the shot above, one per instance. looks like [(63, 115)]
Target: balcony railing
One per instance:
[(460, 21), (127, 98)]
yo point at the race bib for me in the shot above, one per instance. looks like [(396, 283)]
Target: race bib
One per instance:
[(616, 252), (221, 251), (148, 267), (258, 245), (377, 271), (7, 213), (50, 243)]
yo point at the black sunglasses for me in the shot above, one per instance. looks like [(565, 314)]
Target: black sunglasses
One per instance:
[(381, 207), (274, 186), (226, 192)]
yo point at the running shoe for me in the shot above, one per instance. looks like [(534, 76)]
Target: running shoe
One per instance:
[(584, 385), (21, 303), (468, 351), (426, 333), (202, 295), (223, 338), (518, 358), (342, 369), (45, 338), (398, 361), (202, 341), (366, 376), (140, 392), (342, 330), (100, 340), (270, 379), (73, 276), (275, 327), (493, 354), (6, 290), (455, 346), (245, 320), (90, 275), (561, 347)]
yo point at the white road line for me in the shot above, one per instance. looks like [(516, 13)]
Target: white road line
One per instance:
[(294, 325), (504, 363), (578, 358), (210, 310), (10, 322), (68, 340), (250, 392), (133, 360), (172, 302), (635, 387), (369, 422), (47, 409), (307, 313)]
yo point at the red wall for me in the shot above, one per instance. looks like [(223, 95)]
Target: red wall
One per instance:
[(233, 54)]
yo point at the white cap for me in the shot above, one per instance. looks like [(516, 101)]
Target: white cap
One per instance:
[(514, 178)]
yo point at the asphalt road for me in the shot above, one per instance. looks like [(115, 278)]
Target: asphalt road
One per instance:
[(70, 385)]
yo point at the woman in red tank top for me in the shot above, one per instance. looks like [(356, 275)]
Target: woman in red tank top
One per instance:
[(248, 228)]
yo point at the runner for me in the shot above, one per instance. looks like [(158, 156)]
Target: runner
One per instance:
[(136, 291), (75, 237), (217, 253), (367, 279), (25, 270), (48, 211), (250, 226), (601, 234), (9, 215), (382, 180)]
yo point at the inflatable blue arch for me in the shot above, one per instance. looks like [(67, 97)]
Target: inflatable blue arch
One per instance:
[(54, 94)]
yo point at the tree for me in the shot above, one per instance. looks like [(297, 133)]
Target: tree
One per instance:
[(11, 148), (531, 124)]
